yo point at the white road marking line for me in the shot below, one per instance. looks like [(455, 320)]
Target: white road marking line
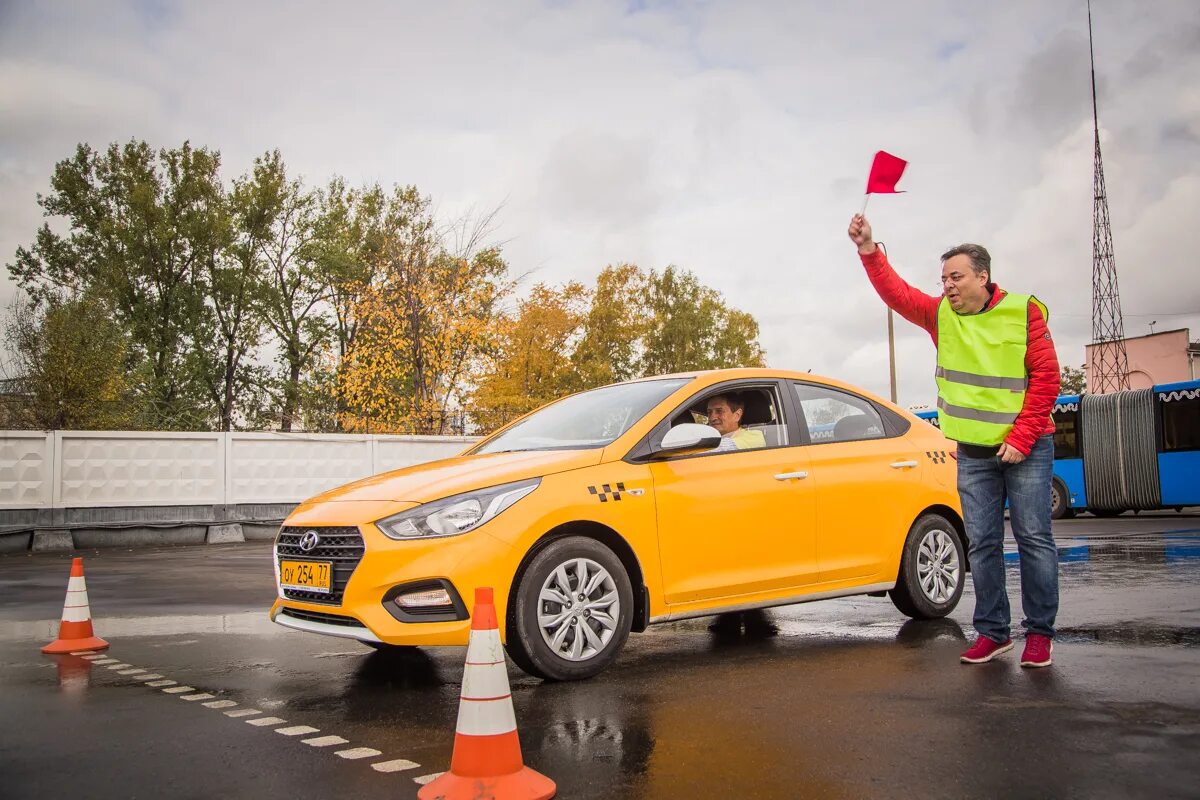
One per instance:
[(117, 666), (156, 684), (179, 689), (264, 721), (242, 712), (131, 672), (84, 653), (359, 752), (424, 779), (297, 730), (399, 765), (105, 661), (325, 741), (201, 696), (93, 658), (219, 704), (149, 677)]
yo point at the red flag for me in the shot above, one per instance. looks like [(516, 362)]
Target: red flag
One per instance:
[(886, 170)]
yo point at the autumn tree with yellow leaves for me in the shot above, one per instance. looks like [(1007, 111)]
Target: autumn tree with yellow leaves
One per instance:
[(422, 326), (532, 362), (633, 323)]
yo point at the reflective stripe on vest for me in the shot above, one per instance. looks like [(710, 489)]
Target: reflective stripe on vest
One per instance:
[(981, 374)]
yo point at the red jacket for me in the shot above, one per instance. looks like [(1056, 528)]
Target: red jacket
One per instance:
[(1041, 362)]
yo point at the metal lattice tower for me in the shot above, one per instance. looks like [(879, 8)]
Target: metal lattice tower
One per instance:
[(1110, 364)]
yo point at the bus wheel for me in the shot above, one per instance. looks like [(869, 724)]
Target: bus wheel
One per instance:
[(1060, 503)]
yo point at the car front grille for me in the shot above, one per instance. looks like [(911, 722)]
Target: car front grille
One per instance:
[(342, 547)]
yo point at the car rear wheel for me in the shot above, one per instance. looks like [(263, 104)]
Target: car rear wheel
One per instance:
[(571, 612), (932, 569), (1060, 501)]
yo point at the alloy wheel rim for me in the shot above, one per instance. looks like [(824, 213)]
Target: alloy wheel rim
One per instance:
[(578, 609), (938, 567)]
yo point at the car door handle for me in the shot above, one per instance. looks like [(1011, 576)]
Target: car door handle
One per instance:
[(902, 464), (787, 476)]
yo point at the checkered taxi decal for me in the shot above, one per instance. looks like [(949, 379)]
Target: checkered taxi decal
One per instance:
[(606, 491)]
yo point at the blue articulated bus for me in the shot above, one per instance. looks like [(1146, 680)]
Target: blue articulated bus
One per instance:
[(1134, 450)]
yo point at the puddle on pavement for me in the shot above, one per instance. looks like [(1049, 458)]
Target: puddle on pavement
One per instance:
[(1137, 634), (1158, 549), (255, 623)]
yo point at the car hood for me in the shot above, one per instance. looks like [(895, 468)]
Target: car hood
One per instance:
[(422, 483)]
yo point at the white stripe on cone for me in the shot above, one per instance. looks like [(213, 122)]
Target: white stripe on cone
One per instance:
[(485, 682), (484, 647), (486, 717), (75, 607), (485, 708)]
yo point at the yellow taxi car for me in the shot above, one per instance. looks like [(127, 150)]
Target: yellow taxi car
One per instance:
[(619, 507)]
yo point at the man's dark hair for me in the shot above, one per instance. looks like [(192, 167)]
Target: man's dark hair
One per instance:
[(734, 401), (977, 254)]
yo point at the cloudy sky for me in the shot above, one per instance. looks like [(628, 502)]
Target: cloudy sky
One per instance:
[(728, 138)]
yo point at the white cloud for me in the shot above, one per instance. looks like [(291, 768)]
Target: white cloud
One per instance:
[(729, 138)]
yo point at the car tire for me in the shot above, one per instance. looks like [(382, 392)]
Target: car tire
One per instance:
[(578, 638), (933, 569), (1060, 501)]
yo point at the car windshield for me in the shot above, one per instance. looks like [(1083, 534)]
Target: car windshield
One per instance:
[(588, 419)]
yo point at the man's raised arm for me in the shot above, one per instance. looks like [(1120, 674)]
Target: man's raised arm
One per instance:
[(903, 298)]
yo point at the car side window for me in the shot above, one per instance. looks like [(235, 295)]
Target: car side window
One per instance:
[(835, 416), (760, 424)]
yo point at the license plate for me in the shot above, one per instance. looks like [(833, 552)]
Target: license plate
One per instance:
[(307, 576)]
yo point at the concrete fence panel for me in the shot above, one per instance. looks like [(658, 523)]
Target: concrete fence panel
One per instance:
[(26, 469), (96, 469), (71, 471)]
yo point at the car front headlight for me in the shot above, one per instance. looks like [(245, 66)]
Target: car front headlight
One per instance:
[(457, 514)]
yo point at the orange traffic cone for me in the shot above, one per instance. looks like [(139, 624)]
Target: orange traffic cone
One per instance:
[(487, 753), (75, 630)]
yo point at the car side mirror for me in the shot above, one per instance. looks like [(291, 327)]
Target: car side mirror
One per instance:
[(688, 438)]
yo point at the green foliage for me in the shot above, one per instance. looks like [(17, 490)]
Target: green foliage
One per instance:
[(141, 226), (691, 328), (1074, 381), (69, 365), (161, 297)]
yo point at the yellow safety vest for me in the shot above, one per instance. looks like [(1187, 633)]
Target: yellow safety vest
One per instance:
[(981, 375)]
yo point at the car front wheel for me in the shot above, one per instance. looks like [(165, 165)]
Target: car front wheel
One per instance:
[(571, 612), (932, 569)]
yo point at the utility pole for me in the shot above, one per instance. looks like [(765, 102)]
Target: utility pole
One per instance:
[(892, 353)]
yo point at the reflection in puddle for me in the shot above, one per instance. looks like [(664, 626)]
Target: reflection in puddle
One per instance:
[(1138, 634), (256, 623), (74, 672), (1163, 549)]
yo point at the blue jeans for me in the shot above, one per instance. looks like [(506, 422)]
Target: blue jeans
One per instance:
[(983, 486)]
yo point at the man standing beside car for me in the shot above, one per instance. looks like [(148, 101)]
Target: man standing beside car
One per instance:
[(998, 378)]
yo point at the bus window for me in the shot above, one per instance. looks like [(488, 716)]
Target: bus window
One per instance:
[(1181, 422), (1066, 431)]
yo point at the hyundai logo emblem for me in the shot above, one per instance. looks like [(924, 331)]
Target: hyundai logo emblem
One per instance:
[(309, 541)]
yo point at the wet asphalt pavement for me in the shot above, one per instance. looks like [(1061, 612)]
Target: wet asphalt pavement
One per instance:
[(848, 699)]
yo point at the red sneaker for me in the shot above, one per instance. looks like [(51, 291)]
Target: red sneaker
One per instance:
[(985, 650), (1037, 651)]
